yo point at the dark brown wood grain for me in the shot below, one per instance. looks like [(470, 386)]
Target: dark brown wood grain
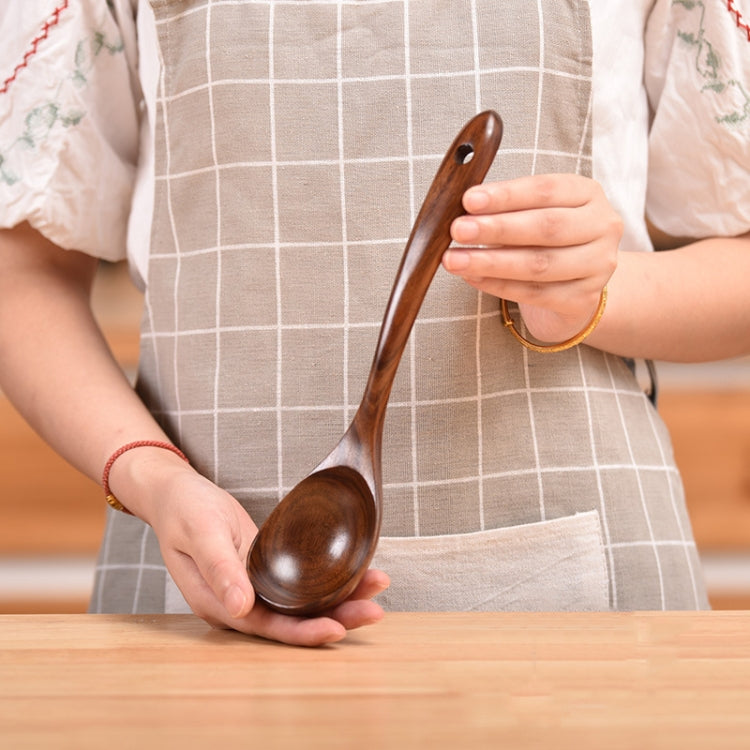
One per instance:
[(313, 549)]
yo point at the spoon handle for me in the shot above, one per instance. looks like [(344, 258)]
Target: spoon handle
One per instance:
[(465, 164)]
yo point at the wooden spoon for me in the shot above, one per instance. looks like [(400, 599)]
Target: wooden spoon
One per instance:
[(317, 543)]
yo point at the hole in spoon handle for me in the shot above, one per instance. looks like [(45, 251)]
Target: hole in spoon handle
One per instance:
[(466, 163), (464, 153)]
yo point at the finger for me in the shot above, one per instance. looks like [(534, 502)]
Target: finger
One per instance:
[(533, 191), (356, 613), (237, 600), (219, 564), (358, 609), (547, 227), (536, 265), (295, 631), (373, 582)]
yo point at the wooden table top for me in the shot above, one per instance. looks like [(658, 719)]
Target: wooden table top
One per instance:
[(604, 680)]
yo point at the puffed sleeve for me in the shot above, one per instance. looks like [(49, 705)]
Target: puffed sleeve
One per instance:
[(698, 83), (69, 113)]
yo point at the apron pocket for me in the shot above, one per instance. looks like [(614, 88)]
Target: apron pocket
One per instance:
[(555, 566)]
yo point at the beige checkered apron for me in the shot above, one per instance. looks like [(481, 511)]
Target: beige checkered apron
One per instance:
[(295, 141)]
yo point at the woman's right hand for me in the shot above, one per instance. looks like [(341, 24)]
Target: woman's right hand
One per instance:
[(205, 535)]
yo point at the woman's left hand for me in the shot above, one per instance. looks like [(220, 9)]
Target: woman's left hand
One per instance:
[(548, 242)]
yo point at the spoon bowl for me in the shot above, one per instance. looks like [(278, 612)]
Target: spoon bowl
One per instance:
[(328, 514), (317, 543)]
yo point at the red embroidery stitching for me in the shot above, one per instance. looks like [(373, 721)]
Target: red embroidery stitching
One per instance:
[(741, 24), (35, 42)]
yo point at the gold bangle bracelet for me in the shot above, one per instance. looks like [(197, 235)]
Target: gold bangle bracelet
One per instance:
[(563, 345)]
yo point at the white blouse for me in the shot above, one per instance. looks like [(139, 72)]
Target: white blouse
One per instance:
[(671, 120)]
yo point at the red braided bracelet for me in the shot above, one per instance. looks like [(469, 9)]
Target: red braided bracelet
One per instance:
[(111, 499)]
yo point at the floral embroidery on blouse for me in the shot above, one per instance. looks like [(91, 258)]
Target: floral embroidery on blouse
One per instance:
[(58, 111), (709, 65)]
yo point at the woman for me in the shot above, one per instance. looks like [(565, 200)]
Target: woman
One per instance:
[(277, 154)]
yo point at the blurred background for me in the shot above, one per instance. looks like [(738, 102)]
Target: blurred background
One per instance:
[(51, 517)]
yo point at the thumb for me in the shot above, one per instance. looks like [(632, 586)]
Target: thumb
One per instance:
[(222, 569)]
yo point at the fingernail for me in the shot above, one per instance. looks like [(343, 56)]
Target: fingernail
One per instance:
[(465, 229), (456, 260), (476, 199), (235, 601)]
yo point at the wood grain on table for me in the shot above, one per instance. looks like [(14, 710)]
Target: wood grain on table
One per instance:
[(614, 680)]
